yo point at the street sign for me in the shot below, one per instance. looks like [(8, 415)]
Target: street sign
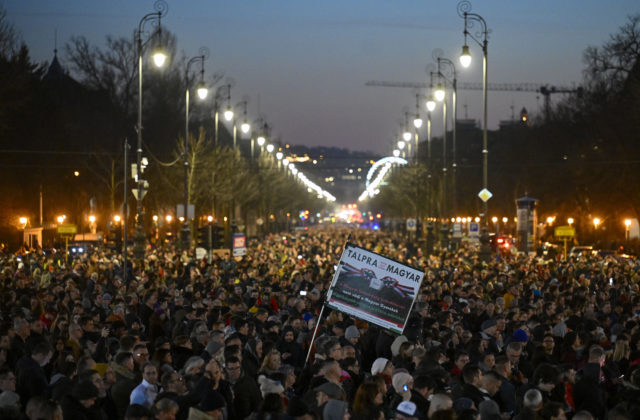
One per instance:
[(457, 230), (239, 244), (67, 229), (485, 195), (565, 231), (474, 230), (191, 211), (411, 225), (143, 190)]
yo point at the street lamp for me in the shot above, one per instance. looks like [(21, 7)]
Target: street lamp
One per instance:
[(454, 95), (439, 93), (270, 148), (596, 222), (464, 8), (216, 115), (228, 113), (440, 96), (570, 221), (159, 59), (202, 91), (245, 126), (627, 224)]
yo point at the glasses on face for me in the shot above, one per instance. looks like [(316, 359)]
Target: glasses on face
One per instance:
[(142, 354)]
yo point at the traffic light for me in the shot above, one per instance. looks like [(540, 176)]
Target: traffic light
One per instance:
[(217, 236), (114, 236), (203, 237)]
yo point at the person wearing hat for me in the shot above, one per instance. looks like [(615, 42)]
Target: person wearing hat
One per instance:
[(211, 407), (269, 386), (336, 410), (79, 405), (291, 352), (489, 332), (406, 410)]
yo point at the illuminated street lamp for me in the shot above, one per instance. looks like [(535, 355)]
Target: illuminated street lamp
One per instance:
[(92, 219), (627, 224), (396, 152), (159, 59), (550, 220), (270, 148), (431, 103), (61, 218), (439, 93), (116, 218), (454, 104), (202, 91), (570, 221), (464, 8), (168, 218), (596, 222), (23, 221), (279, 155)]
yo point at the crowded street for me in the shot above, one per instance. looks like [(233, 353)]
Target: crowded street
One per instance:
[(519, 337)]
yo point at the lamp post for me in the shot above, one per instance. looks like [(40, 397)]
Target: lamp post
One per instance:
[(454, 94), (202, 91), (417, 123), (431, 105), (464, 8), (441, 96), (159, 59), (627, 225), (228, 113)]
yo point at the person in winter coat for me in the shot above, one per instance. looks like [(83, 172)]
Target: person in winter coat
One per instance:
[(291, 352), (125, 381), (31, 380), (80, 404), (588, 394)]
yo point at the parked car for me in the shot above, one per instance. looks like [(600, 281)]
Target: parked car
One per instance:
[(582, 251)]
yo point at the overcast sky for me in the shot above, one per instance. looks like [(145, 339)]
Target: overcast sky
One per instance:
[(305, 63)]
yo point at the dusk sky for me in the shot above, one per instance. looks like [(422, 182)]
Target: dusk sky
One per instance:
[(308, 61)]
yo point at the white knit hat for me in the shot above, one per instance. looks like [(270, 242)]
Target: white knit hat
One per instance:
[(269, 386), (379, 365)]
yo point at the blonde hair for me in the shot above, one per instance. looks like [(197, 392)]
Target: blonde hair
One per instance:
[(622, 347)]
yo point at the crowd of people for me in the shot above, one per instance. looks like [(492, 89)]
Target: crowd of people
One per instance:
[(232, 339)]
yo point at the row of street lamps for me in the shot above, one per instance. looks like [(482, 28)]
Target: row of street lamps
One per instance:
[(438, 94), (159, 59)]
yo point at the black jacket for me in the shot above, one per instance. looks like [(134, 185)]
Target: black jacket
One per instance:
[(587, 393), (247, 397), (31, 380)]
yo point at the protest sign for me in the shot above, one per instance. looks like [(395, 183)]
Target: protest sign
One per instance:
[(374, 288)]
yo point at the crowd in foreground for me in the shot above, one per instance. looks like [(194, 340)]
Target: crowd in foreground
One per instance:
[(225, 339)]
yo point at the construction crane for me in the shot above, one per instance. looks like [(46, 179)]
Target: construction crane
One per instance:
[(543, 89)]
